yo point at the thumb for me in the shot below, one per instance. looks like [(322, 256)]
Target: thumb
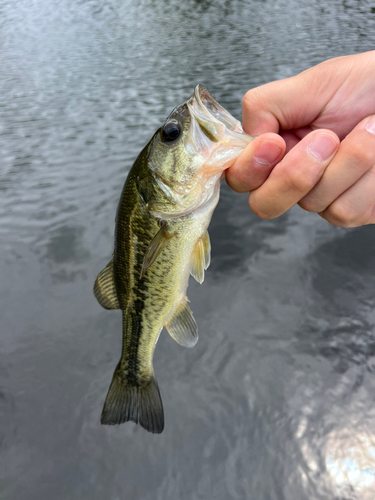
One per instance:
[(291, 103)]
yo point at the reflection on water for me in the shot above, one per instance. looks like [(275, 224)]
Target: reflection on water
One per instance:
[(65, 245), (276, 400), (350, 461)]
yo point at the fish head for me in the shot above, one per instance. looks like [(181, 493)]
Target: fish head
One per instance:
[(189, 153)]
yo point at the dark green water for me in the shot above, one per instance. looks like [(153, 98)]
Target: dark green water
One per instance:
[(277, 400)]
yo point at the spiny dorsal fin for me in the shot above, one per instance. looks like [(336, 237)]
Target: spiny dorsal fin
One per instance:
[(105, 288), (182, 327), (200, 258), (157, 244)]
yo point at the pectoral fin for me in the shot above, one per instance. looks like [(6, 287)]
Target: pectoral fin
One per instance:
[(155, 247), (105, 288), (200, 258), (206, 250), (182, 327)]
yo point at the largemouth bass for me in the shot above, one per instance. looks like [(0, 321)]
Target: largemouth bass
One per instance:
[(160, 239)]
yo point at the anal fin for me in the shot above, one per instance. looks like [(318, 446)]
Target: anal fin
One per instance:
[(105, 288), (182, 327), (200, 258)]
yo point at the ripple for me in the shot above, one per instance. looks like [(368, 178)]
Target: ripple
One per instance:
[(276, 400)]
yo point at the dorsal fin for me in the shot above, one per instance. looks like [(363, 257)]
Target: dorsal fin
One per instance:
[(182, 327), (105, 288), (200, 258)]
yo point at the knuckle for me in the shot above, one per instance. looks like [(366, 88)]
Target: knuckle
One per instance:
[(344, 215), (310, 205), (258, 209), (247, 99), (253, 99), (371, 172), (298, 180), (359, 154)]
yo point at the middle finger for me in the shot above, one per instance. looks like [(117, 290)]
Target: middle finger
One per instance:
[(297, 173)]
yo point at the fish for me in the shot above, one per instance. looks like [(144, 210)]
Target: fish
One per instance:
[(161, 239)]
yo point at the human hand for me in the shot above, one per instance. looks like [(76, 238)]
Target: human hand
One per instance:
[(312, 112)]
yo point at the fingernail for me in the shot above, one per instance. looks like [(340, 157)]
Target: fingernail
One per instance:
[(322, 146), (267, 153), (370, 127)]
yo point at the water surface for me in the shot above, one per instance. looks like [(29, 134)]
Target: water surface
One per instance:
[(276, 401)]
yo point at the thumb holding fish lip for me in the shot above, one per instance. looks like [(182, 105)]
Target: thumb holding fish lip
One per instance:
[(255, 163), (287, 107), (279, 105), (268, 110), (335, 94), (298, 101)]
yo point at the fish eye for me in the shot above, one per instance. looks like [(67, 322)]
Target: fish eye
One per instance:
[(171, 131)]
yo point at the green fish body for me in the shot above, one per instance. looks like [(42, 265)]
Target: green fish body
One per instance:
[(160, 239)]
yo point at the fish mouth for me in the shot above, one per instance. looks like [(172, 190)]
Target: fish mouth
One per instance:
[(212, 115), (218, 135)]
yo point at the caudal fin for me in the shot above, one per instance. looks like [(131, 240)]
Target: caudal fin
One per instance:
[(140, 404)]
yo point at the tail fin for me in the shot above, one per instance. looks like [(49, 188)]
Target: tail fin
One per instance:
[(140, 404)]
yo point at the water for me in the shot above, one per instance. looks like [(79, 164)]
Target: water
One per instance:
[(276, 401)]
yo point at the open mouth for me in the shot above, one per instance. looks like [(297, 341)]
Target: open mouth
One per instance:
[(213, 111), (226, 138)]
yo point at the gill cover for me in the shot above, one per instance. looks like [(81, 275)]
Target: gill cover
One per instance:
[(188, 154)]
